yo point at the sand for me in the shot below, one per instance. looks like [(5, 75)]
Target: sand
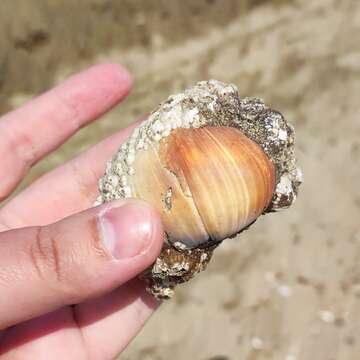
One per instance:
[(289, 288)]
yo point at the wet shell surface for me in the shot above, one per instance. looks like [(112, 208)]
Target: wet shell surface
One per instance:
[(210, 162)]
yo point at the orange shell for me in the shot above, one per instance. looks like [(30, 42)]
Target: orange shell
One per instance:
[(207, 183)]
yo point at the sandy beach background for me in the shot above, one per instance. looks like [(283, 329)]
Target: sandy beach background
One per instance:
[(289, 288)]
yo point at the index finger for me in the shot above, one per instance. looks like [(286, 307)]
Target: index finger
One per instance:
[(40, 126)]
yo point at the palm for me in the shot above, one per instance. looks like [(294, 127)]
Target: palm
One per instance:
[(99, 328)]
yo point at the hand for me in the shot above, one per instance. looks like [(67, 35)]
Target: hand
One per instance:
[(68, 287)]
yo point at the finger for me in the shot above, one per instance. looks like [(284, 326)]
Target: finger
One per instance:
[(109, 323), (80, 257), (70, 188), (32, 131), (97, 329), (43, 334)]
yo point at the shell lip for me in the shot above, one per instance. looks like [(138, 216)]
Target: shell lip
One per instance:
[(182, 247)]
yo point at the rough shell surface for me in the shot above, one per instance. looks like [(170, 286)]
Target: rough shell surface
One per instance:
[(208, 103)]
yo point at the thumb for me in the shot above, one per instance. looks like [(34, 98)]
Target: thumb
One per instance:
[(82, 256)]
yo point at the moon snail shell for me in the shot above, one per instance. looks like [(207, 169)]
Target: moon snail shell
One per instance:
[(211, 163), (207, 183)]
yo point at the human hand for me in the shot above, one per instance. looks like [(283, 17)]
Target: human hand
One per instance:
[(68, 287)]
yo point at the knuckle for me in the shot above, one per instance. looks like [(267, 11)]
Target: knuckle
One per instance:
[(65, 265), (71, 108), (22, 145), (45, 255), (52, 263), (85, 183), (96, 244)]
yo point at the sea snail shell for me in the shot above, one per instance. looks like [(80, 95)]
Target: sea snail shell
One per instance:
[(207, 183), (211, 163)]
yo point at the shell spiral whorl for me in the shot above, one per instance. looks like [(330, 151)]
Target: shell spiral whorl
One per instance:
[(211, 163)]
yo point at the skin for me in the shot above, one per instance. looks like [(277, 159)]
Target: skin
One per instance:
[(59, 282)]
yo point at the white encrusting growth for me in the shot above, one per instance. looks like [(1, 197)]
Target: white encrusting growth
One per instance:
[(284, 188)]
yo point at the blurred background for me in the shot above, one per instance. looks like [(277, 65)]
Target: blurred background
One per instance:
[(289, 288)]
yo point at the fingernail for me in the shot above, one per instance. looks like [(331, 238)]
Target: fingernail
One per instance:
[(127, 229)]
